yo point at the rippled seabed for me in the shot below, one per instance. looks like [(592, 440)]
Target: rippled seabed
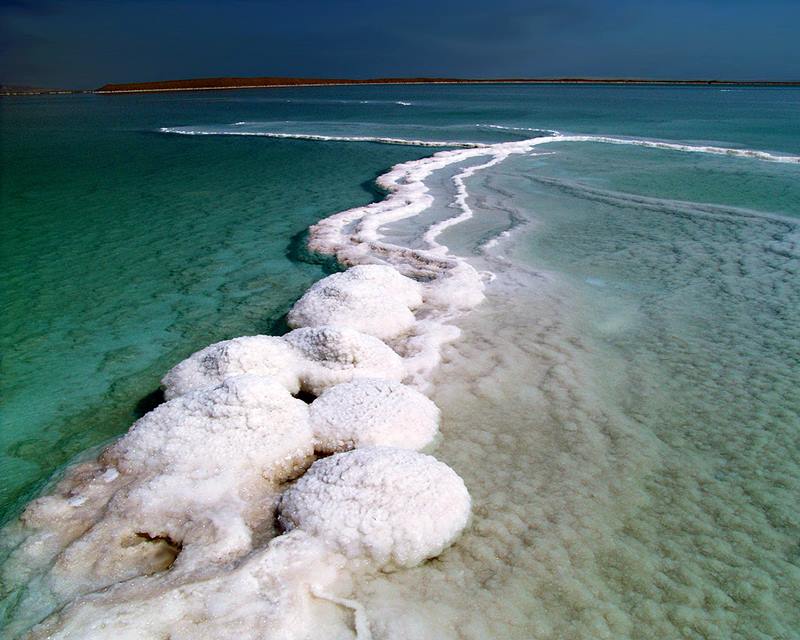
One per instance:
[(623, 407), (645, 481)]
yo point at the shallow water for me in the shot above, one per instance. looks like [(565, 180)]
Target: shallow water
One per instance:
[(623, 407), (626, 416), (123, 251)]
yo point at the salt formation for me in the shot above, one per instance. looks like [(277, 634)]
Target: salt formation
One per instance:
[(391, 506), (373, 299), (170, 533), (191, 479), (332, 355), (371, 412), (275, 592), (248, 425), (180, 509), (309, 359), (262, 355)]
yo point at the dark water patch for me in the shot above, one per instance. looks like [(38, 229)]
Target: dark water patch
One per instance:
[(297, 251), (278, 326), (149, 402), (372, 187)]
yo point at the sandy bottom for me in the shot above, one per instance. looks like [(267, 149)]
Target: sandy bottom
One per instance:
[(586, 523)]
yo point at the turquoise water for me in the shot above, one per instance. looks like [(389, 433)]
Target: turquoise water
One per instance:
[(623, 408), (124, 250)]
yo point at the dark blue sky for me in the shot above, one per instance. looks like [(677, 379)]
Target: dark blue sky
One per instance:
[(85, 43)]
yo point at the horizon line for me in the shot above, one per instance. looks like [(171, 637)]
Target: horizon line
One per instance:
[(217, 83)]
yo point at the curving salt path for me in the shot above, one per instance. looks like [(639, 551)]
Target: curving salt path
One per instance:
[(320, 138), (170, 532)]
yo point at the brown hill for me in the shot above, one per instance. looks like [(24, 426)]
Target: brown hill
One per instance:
[(240, 83), (200, 84)]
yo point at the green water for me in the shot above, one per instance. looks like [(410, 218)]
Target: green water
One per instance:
[(124, 250)]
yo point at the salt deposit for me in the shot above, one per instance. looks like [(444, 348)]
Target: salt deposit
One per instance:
[(392, 506), (263, 355), (198, 478), (309, 359), (186, 487), (169, 533), (179, 509), (374, 299), (276, 592), (332, 355), (369, 412)]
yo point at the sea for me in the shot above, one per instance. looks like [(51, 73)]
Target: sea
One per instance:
[(623, 405)]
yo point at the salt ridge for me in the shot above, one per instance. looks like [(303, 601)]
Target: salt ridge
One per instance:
[(321, 138), (554, 136)]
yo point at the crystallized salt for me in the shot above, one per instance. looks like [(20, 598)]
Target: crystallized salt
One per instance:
[(391, 506), (370, 412), (311, 359), (262, 355), (196, 477), (249, 424), (272, 593), (332, 355), (373, 299)]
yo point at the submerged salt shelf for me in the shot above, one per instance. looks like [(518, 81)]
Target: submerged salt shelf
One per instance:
[(172, 532)]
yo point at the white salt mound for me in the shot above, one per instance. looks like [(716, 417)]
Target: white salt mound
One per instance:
[(372, 412), (262, 355), (391, 506), (332, 355), (201, 461), (194, 478), (249, 425), (311, 359), (367, 278), (373, 299)]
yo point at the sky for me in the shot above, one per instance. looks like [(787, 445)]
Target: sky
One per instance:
[(87, 43)]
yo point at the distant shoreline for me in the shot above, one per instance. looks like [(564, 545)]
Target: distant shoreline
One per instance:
[(235, 83), (216, 84)]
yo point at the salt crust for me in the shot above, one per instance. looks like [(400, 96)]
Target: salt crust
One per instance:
[(274, 593), (337, 499), (386, 507), (374, 299), (371, 412), (395, 507), (332, 355), (263, 355), (248, 425), (311, 359), (195, 473)]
